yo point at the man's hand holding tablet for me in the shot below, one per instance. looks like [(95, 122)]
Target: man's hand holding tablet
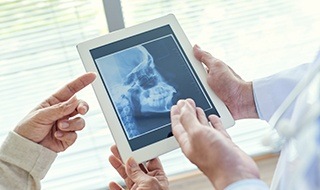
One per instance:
[(142, 72)]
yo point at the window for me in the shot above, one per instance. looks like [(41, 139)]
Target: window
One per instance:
[(38, 55), (38, 39), (256, 38)]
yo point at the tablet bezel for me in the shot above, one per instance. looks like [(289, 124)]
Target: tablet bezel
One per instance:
[(165, 145)]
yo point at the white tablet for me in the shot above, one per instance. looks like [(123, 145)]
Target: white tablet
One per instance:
[(142, 71)]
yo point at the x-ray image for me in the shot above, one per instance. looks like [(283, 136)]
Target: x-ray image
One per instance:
[(144, 81), (137, 88)]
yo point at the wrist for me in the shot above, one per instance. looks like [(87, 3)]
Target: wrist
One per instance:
[(21, 132), (249, 104), (245, 104)]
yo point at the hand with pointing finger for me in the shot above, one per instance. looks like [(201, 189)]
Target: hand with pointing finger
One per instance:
[(53, 124)]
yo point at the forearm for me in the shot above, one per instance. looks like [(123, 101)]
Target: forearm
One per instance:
[(23, 163)]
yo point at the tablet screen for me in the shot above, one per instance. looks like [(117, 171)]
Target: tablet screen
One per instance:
[(144, 75)]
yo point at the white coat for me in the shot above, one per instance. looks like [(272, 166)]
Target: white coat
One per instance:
[(299, 163)]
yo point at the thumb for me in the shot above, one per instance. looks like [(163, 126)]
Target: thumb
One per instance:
[(60, 110), (204, 57), (217, 124), (115, 186), (134, 171)]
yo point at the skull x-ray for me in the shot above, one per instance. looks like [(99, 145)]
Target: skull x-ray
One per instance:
[(143, 81), (137, 88)]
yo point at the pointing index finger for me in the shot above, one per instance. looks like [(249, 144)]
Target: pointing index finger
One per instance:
[(71, 88)]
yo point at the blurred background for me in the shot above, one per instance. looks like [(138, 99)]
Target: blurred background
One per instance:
[(38, 55)]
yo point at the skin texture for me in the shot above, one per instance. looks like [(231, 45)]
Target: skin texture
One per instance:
[(138, 177), (228, 86), (208, 146), (54, 122), (204, 140)]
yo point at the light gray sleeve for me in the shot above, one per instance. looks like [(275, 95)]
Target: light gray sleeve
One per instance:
[(23, 163)]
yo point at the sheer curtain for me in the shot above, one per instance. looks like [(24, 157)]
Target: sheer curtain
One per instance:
[(38, 55), (256, 38)]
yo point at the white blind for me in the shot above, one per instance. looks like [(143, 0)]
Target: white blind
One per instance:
[(38, 55), (256, 38)]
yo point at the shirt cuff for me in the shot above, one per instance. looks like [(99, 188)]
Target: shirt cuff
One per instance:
[(263, 99), (27, 155), (270, 92), (248, 184)]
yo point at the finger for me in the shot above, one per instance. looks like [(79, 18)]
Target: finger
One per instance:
[(174, 115), (58, 111), (71, 88), (191, 102), (115, 152), (154, 164), (217, 124), (75, 124), (115, 186), (134, 171), (202, 116), (178, 131), (205, 57), (67, 138), (118, 165), (82, 108), (188, 117), (180, 134)]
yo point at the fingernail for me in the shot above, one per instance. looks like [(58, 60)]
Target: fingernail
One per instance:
[(175, 110), (181, 103), (197, 46), (64, 125), (184, 106), (83, 109), (59, 134)]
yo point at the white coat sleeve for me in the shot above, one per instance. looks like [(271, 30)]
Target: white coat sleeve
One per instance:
[(23, 163), (248, 184), (271, 91)]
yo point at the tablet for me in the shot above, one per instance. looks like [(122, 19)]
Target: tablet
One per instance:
[(142, 71)]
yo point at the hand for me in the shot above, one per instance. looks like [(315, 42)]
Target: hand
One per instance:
[(228, 86), (52, 123), (137, 177), (209, 146)]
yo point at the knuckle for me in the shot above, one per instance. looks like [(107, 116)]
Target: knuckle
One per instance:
[(197, 135), (62, 107), (151, 180), (218, 63)]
